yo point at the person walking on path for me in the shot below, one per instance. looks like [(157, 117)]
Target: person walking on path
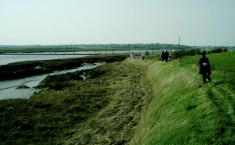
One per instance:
[(166, 55), (204, 68)]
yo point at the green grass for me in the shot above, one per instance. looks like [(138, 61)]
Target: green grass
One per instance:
[(183, 110), (222, 64), (174, 113), (221, 93)]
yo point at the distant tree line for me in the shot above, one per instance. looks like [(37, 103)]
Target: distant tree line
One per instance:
[(219, 50), (183, 49), (183, 53), (192, 52), (88, 47)]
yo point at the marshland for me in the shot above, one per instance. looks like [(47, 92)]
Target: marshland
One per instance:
[(123, 101)]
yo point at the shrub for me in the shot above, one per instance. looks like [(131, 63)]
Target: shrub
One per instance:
[(219, 50), (182, 53)]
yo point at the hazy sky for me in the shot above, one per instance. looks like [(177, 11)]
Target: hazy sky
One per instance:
[(197, 22)]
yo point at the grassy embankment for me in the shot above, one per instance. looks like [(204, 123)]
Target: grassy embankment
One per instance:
[(103, 109), (131, 102), (183, 110)]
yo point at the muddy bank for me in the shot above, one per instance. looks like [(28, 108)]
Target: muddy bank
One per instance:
[(31, 68)]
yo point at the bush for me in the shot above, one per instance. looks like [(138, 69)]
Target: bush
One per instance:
[(219, 50), (182, 53)]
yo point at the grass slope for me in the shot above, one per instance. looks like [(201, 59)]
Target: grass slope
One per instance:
[(182, 110), (115, 123), (178, 112)]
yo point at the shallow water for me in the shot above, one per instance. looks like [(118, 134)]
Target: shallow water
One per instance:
[(17, 57), (8, 89), (5, 59)]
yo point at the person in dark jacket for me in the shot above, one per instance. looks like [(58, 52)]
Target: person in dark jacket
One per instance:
[(166, 56), (204, 68)]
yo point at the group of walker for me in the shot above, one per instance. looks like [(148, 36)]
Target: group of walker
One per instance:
[(132, 55), (204, 65), (165, 56)]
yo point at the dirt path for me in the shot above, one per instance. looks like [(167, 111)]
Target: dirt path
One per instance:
[(223, 99)]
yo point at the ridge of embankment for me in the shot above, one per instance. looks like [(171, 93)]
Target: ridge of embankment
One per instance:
[(182, 110), (174, 105)]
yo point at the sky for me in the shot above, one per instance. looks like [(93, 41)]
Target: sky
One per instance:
[(56, 22)]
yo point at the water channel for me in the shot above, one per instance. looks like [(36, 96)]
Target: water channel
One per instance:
[(7, 58), (17, 57), (9, 89)]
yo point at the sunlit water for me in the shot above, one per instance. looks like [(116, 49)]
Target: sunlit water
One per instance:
[(8, 89)]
